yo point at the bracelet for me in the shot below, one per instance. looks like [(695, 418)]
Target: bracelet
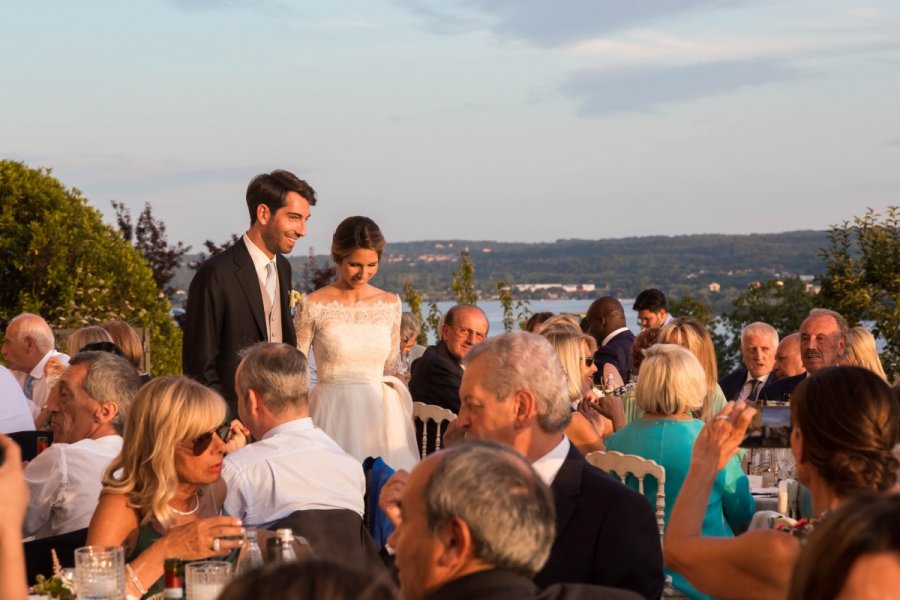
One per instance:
[(135, 580)]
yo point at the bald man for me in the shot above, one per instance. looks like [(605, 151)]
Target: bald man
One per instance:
[(605, 321), (28, 347)]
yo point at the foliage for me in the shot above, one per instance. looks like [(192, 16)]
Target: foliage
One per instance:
[(149, 237), (433, 320), (463, 280), (58, 259), (515, 314), (862, 277), (212, 249), (313, 276), (413, 299)]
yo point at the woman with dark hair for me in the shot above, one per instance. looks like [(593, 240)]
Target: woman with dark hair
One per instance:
[(310, 578), (353, 329), (846, 421), (854, 554)]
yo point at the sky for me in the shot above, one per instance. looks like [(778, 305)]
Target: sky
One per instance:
[(507, 120)]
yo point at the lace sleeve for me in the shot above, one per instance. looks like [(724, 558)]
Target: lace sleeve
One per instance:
[(392, 364), (303, 325)]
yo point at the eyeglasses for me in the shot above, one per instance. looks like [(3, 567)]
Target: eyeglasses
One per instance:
[(463, 332), (201, 443), (588, 360)]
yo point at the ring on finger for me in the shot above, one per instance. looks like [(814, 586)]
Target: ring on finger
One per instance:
[(724, 417), (217, 545)]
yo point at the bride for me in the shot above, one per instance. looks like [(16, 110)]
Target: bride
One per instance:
[(354, 330)]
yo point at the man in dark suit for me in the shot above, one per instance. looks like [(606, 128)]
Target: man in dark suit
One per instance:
[(823, 341), (758, 343), (456, 538), (241, 296), (513, 391), (436, 375), (605, 321)]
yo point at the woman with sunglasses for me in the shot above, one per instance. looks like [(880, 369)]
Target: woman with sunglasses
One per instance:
[(162, 496), (672, 384)]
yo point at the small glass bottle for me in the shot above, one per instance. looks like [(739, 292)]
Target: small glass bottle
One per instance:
[(287, 544), (250, 556), (174, 578)]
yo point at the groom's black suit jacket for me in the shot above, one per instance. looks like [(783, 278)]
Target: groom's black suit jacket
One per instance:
[(225, 314)]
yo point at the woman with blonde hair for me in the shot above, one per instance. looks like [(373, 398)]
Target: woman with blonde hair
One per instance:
[(691, 334), (862, 351), (80, 338), (162, 496), (126, 338), (671, 386)]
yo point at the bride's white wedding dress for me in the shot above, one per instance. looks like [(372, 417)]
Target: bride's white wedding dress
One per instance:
[(365, 411)]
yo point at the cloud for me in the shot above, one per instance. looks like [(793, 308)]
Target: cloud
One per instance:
[(266, 6), (646, 89), (556, 23)]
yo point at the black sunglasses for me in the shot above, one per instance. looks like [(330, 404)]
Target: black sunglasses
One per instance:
[(200, 444), (588, 361)]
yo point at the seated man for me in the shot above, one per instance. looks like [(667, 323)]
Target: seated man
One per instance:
[(436, 376), (294, 466), (457, 538), (29, 345), (787, 357), (758, 343), (87, 410)]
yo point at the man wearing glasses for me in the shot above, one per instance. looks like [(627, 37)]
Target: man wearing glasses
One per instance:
[(436, 376)]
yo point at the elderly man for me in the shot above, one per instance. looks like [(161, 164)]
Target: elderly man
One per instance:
[(823, 340), (652, 309), (29, 345), (14, 412), (87, 410), (788, 362), (606, 322), (514, 392), (294, 466), (758, 343), (457, 539), (436, 376)]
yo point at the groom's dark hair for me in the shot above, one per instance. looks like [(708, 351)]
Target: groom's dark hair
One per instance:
[(271, 188)]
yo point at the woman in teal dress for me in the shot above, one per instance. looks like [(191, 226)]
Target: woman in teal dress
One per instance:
[(162, 496), (672, 385)]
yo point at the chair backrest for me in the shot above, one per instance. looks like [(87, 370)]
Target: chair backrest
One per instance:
[(620, 465), (430, 412)]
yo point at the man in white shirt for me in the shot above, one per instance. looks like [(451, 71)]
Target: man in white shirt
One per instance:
[(87, 411), (14, 412), (28, 347), (294, 466)]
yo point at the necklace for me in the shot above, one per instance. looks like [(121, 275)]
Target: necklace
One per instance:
[(184, 513)]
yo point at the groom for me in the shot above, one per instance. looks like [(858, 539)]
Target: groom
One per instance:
[(241, 296)]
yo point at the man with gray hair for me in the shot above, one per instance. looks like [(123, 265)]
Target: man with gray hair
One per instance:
[(294, 469), (758, 344), (456, 538), (823, 341), (87, 411), (28, 346), (514, 391)]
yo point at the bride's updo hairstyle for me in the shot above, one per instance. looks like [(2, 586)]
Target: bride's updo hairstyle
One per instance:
[(354, 233), (850, 421)]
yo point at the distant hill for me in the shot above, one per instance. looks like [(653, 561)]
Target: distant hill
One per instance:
[(620, 267)]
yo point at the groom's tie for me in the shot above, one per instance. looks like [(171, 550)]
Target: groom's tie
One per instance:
[(270, 281)]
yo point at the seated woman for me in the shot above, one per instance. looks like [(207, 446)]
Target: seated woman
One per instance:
[(845, 425), (862, 351), (672, 384), (691, 334), (163, 494)]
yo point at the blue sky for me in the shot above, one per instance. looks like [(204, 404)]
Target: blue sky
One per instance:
[(513, 120)]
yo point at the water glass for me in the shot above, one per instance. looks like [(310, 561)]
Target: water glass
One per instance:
[(207, 579), (100, 572)]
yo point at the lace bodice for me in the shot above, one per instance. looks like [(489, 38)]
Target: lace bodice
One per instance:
[(356, 341)]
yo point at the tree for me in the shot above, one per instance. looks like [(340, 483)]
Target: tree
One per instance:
[(313, 276), (60, 260), (463, 280), (213, 248), (862, 277), (514, 312), (413, 299), (149, 237)]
